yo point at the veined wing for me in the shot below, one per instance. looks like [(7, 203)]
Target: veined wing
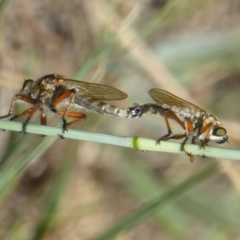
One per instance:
[(163, 97), (97, 91)]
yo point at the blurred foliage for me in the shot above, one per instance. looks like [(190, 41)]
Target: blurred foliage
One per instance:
[(62, 189)]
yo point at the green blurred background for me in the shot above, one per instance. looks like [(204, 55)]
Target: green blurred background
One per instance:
[(65, 189)]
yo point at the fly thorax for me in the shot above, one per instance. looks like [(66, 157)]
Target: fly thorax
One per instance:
[(210, 119), (186, 112), (34, 95), (48, 85), (45, 97)]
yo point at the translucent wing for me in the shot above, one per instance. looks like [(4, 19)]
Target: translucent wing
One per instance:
[(96, 91), (165, 98)]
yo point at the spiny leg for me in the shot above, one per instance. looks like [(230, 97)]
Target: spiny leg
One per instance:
[(193, 140), (62, 97), (28, 112), (203, 143), (184, 150), (80, 117), (180, 136), (43, 119), (206, 129), (10, 109), (186, 125), (188, 128), (169, 135), (18, 97)]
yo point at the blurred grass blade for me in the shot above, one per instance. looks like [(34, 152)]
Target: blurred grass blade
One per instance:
[(113, 37), (11, 174), (158, 17), (55, 194), (93, 59), (158, 203), (145, 186), (14, 148), (3, 4)]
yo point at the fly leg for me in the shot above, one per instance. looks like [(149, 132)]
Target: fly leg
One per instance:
[(203, 143), (184, 150), (169, 135), (80, 117), (206, 129), (18, 97), (66, 113), (180, 136), (186, 125), (28, 112), (188, 128)]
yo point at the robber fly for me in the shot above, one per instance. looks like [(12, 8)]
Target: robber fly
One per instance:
[(60, 95), (195, 122)]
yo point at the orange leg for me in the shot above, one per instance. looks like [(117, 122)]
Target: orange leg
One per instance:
[(28, 112), (186, 125), (170, 113), (43, 119), (65, 95), (80, 117), (183, 149), (66, 113), (189, 129), (180, 136), (207, 129), (18, 97)]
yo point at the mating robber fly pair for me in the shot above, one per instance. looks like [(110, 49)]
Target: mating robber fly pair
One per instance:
[(62, 95)]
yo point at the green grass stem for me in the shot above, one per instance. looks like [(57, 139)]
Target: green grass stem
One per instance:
[(130, 142)]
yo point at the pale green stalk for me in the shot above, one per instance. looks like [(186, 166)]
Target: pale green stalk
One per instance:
[(130, 142)]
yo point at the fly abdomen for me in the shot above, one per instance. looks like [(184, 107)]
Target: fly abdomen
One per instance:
[(155, 109), (137, 110), (107, 109)]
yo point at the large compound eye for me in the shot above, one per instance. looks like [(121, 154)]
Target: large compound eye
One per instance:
[(220, 132), (27, 83)]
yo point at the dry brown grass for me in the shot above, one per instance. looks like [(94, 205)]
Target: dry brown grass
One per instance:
[(193, 52)]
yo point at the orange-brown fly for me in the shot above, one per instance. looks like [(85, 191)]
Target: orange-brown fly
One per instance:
[(60, 95), (195, 122)]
